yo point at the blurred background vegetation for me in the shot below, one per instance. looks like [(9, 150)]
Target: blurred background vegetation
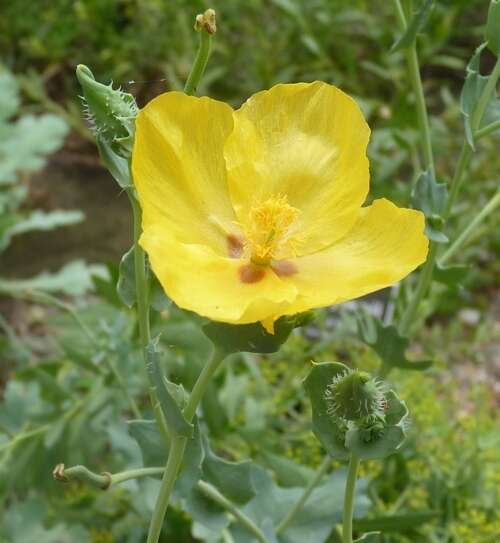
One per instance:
[(67, 339)]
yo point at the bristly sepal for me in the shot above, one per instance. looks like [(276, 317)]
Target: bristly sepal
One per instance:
[(353, 395), (110, 112), (354, 412)]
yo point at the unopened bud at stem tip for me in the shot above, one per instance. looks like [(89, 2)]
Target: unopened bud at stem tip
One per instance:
[(206, 21)]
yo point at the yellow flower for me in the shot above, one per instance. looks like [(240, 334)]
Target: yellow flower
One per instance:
[(252, 214)]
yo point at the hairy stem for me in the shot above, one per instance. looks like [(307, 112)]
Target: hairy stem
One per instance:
[(350, 487), (313, 483)]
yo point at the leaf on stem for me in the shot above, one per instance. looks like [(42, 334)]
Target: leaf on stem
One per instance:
[(451, 276), (325, 428), (233, 479), (430, 197), (471, 93), (126, 279), (253, 338), (387, 342), (155, 450), (117, 166), (125, 286), (414, 27), (170, 396)]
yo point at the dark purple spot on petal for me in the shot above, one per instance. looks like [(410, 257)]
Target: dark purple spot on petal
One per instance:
[(234, 246), (250, 273), (284, 268)]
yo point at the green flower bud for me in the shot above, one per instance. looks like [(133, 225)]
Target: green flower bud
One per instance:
[(354, 395), (111, 112)]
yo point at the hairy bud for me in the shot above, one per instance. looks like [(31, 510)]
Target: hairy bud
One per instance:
[(110, 111), (354, 395)]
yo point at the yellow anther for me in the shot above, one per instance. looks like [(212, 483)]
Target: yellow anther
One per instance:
[(268, 230)]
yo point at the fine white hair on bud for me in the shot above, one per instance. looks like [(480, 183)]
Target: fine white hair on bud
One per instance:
[(354, 395)]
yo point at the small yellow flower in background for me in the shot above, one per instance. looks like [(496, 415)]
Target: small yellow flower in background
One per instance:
[(252, 214)]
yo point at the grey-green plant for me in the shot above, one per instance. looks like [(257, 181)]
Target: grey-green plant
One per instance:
[(353, 415)]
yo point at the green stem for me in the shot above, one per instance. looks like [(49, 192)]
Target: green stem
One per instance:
[(199, 64), (457, 244), (175, 456), (141, 280), (313, 483), (425, 278), (487, 130), (178, 447), (456, 181), (350, 487), (106, 480), (212, 493), (418, 90), (142, 298), (424, 281)]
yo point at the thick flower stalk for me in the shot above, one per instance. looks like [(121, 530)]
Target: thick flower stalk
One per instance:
[(253, 214)]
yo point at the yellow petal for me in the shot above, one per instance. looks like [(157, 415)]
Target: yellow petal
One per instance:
[(305, 141), (179, 171), (385, 245), (198, 279)]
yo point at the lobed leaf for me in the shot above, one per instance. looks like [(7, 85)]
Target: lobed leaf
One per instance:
[(387, 342), (430, 197), (471, 92), (324, 426), (253, 338), (169, 405), (233, 479)]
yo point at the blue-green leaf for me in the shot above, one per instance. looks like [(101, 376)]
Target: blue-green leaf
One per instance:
[(396, 523), (325, 427), (387, 342), (430, 197), (451, 276), (253, 338), (169, 405), (233, 479), (126, 280), (154, 450), (472, 90)]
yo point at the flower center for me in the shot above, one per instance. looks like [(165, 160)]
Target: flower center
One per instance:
[(268, 230)]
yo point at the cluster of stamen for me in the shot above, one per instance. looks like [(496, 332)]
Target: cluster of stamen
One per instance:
[(268, 230)]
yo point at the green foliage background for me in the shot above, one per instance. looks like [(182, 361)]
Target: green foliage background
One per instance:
[(62, 390)]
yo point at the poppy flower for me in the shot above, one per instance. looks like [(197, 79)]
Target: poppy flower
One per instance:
[(253, 214)]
